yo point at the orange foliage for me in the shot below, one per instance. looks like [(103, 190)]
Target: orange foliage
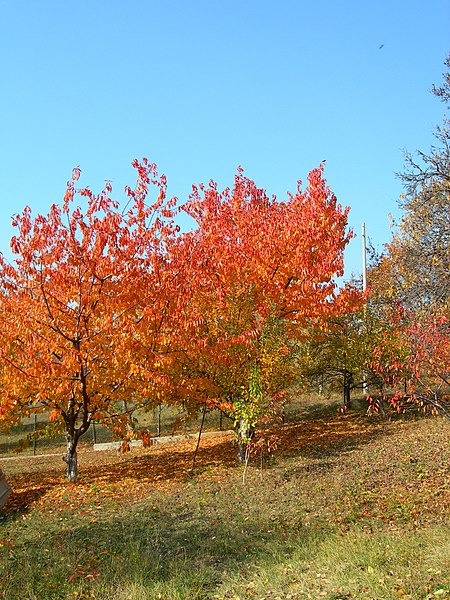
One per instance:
[(102, 308), (80, 282), (260, 273)]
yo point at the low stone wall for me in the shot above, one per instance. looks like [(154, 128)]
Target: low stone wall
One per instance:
[(159, 440)]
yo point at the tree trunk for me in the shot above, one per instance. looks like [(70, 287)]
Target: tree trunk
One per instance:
[(348, 380), (194, 458), (71, 461), (244, 432)]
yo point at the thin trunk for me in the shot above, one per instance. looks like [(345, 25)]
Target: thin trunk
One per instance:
[(321, 385), (73, 434), (71, 459), (247, 457), (348, 380), (365, 385), (382, 411), (244, 432), (198, 440)]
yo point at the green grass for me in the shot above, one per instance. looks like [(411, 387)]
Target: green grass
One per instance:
[(361, 520)]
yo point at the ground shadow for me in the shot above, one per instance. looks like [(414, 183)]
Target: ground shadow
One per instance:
[(326, 436), (320, 439), (162, 463), (161, 549)]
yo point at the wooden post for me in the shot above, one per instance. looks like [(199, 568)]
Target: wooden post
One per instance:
[(34, 432)]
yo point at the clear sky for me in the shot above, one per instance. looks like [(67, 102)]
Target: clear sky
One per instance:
[(203, 86)]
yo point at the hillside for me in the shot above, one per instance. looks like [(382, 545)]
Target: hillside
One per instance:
[(346, 507)]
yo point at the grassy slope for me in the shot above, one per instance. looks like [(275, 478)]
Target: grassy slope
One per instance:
[(346, 508)]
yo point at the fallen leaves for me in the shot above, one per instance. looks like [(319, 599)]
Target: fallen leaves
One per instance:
[(107, 478)]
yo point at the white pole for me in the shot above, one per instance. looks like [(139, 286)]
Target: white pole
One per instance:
[(364, 285), (364, 262)]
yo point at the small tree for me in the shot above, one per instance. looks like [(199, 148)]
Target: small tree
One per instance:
[(339, 354)]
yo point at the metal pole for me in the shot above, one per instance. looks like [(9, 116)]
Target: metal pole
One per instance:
[(364, 261), (364, 285)]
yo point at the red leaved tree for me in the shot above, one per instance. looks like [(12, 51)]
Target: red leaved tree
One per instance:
[(262, 275), (412, 356), (81, 283)]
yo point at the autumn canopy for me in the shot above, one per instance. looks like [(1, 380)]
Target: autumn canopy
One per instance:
[(106, 309)]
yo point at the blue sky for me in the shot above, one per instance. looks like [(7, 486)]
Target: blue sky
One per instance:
[(201, 87)]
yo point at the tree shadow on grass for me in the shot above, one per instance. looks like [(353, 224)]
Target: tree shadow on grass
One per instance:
[(320, 439), (113, 475), (182, 550), (26, 491), (328, 436)]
